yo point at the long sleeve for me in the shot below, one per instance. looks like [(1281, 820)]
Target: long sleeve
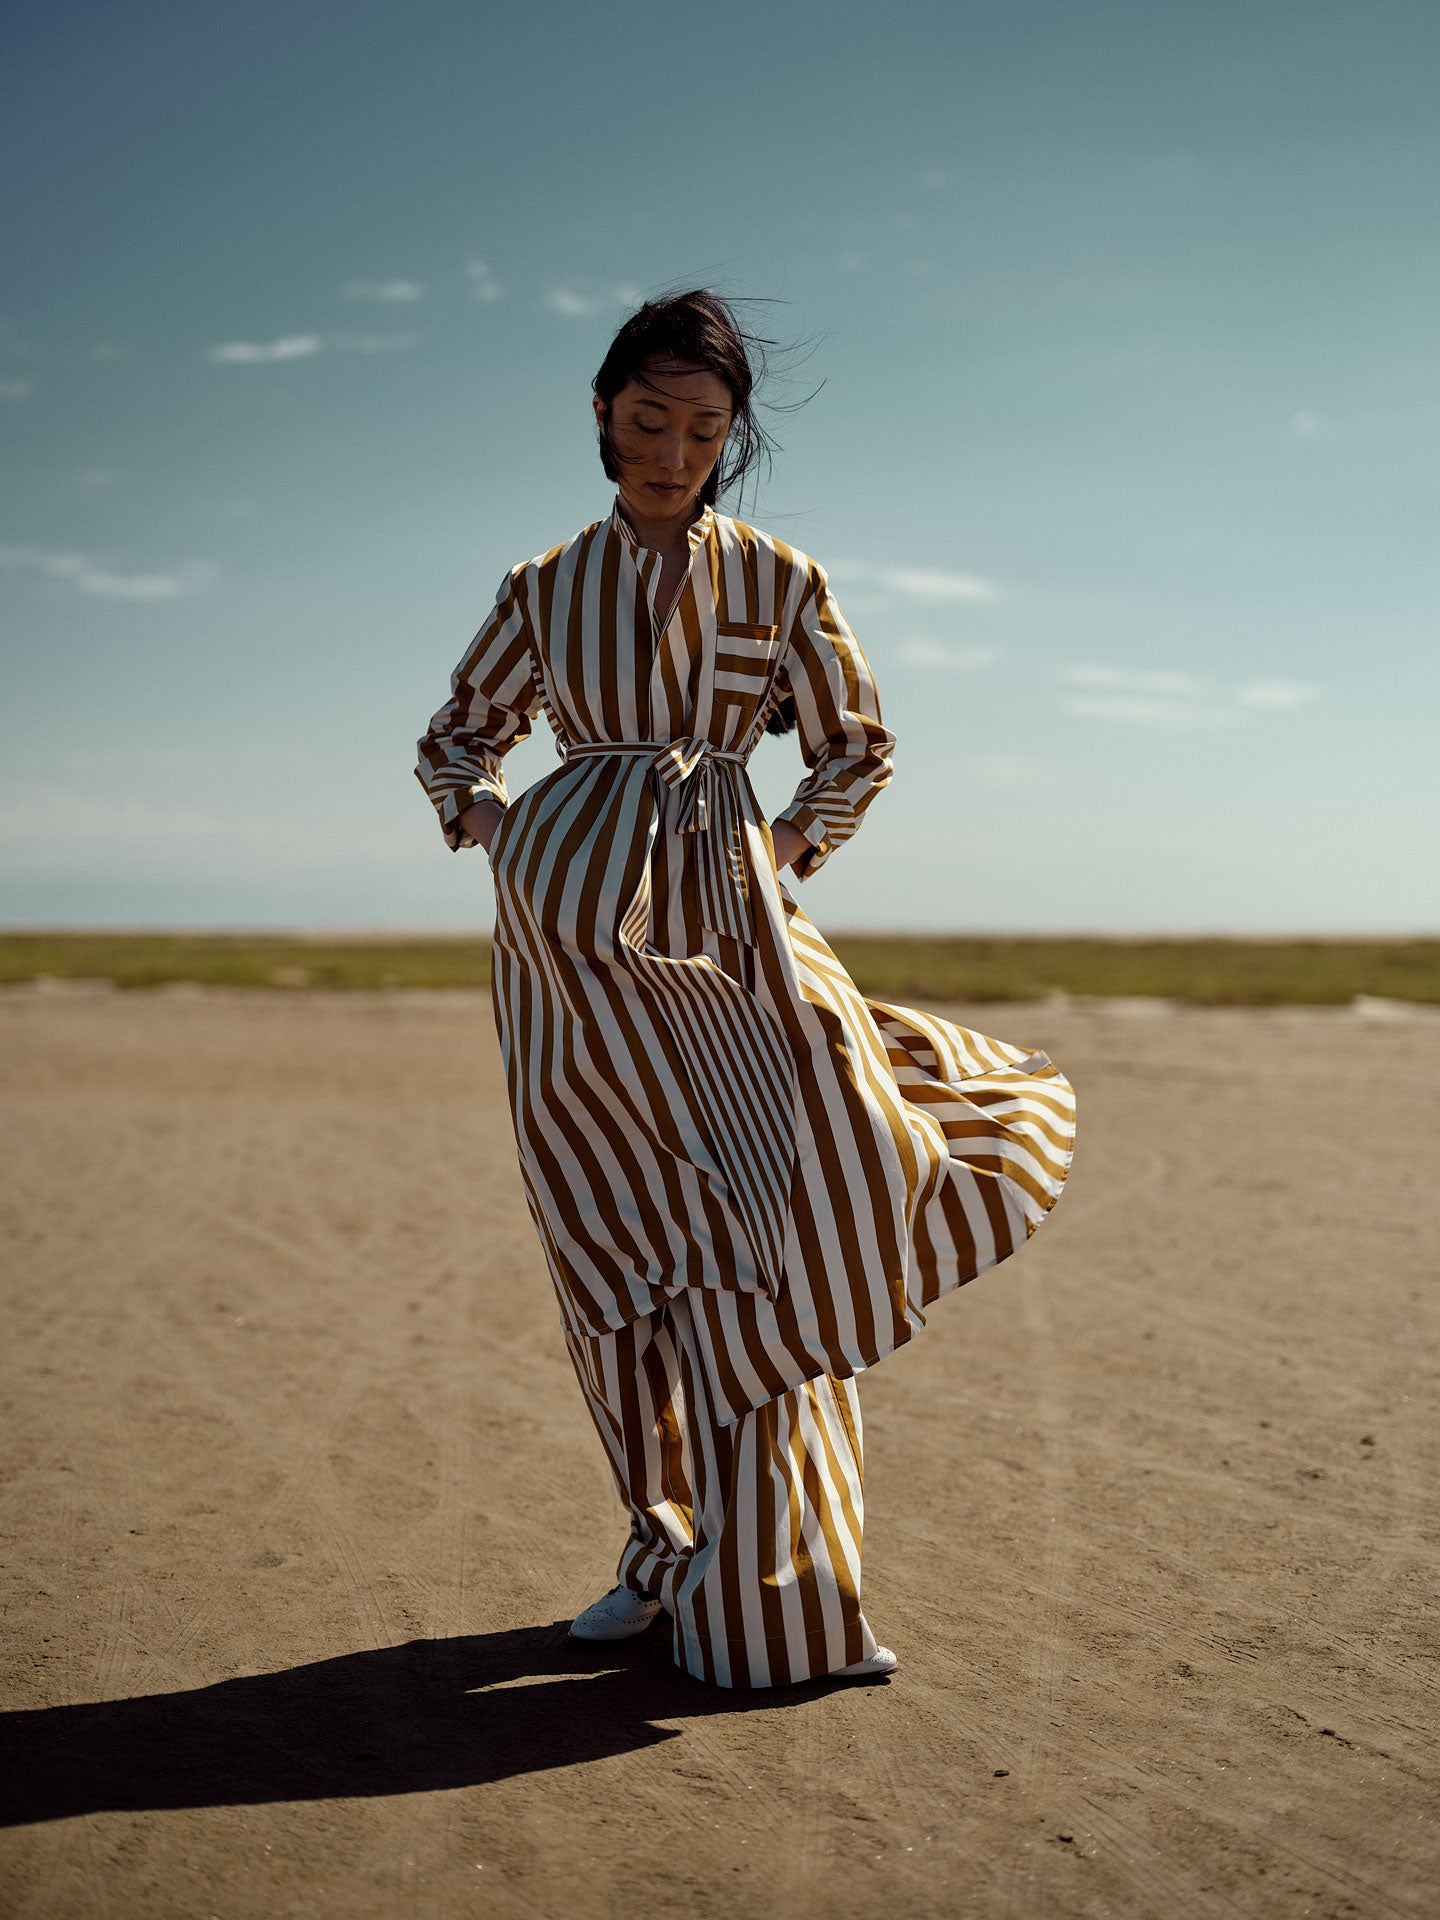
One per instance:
[(837, 717), (493, 694)]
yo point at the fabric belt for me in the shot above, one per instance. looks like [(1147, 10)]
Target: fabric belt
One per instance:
[(708, 805)]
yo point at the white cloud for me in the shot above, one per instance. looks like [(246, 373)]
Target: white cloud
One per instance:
[(134, 586), (252, 353), (1029, 769), (1395, 423), (402, 290), (932, 584), (136, 820), (1132, 680), (16, 389), (87, 577), (305, 346), (580, 306), (1276, 696), (483, 283), (921, 652), (1142, 710), (117, 833), (1159, 697), (372, 342), (929, 583)]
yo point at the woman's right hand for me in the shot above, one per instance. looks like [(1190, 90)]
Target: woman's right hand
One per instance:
[(481, 819), (789, 843)]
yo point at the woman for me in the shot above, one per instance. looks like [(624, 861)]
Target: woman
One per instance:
[(749, 1182)]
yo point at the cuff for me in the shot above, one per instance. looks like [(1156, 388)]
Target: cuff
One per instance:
[(813, 828), (451, 804)]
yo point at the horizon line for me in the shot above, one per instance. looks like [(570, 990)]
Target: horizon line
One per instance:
[(391, 934)]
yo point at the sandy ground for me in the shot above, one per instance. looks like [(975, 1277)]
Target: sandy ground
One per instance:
[(298, 1493)]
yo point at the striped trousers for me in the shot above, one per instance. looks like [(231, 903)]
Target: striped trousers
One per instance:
[(749, 1533)]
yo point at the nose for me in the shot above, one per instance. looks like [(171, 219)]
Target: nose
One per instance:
[(671, 452)]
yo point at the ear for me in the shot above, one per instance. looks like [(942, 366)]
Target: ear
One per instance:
[(599, 406)]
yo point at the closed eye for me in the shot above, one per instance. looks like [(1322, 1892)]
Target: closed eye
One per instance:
[(700, 439)]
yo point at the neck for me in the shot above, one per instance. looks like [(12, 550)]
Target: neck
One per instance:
[(669, 535)]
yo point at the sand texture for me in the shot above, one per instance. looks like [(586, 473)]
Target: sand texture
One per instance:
[(299, 1492)]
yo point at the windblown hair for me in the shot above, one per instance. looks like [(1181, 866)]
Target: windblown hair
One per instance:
[(701, 328)]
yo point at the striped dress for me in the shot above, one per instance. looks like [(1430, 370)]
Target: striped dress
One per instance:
[(709, 1116)]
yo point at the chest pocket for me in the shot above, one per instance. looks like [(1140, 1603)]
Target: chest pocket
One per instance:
[(746, 660)]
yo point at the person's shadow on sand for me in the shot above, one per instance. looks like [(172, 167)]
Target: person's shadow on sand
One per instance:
[(408, 1719)]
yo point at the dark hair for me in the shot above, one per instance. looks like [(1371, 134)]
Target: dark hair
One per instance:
[(700, 327)]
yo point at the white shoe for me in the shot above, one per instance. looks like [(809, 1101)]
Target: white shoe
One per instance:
[(882, 1661), (617, 1615)]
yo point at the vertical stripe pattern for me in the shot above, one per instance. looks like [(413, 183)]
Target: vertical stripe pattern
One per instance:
[(750, 1531), (707, 1110)]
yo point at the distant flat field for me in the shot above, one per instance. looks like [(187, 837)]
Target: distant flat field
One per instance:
[(1201, 972)]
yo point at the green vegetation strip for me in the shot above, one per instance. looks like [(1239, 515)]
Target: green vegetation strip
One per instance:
[(1202, 972), (244, 960), (1212, 973)]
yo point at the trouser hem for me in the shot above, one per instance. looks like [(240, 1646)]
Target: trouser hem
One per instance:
[(695, 1654)]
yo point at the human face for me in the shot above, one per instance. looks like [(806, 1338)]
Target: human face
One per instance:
[(669, 434)]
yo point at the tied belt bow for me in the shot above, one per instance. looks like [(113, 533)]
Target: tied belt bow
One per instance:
[(705, 782)]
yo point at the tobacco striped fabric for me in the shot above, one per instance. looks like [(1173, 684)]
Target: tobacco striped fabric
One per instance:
[(749, 1533), (705, 1106)]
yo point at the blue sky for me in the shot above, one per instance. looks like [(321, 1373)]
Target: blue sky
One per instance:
[(1124, 462)]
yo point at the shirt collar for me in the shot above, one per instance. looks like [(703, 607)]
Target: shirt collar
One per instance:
[(697, 531)]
